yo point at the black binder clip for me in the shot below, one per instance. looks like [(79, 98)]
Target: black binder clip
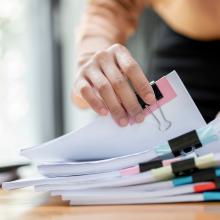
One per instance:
[(184, 144), (163, 123), (157, 93), (184, 167), (217, 182), (204, 175), (156, 90), (143, 167)]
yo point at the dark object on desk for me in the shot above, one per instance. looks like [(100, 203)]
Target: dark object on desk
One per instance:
[(8, 171), (11, 167), (197, 63), (8, 176)]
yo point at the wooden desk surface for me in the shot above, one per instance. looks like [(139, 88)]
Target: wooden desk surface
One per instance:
[(26, 204)]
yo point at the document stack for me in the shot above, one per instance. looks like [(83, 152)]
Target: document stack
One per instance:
[(173, 156)]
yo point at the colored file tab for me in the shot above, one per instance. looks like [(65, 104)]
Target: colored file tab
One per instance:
[(202, 162), (202, 175)]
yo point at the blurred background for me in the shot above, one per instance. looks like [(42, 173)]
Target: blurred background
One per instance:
[(37, 67)]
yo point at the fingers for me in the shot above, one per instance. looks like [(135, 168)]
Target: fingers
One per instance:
[(105, 90), (103, 83), (88, 93), (132, 70), (121, 87)]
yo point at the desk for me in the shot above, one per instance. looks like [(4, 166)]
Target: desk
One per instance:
[(26, 204)]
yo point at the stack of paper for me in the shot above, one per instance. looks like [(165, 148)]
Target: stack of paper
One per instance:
[(173, 156)]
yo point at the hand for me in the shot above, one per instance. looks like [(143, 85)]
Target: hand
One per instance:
[(103, 83)]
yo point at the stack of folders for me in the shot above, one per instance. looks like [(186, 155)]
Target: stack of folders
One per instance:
[(173, 156)]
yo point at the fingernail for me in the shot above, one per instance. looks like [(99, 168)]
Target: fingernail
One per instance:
[(103, 111), (139, 118), (150, 98), (123, 122)]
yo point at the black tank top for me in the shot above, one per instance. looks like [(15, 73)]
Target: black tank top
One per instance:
[(197, 63)]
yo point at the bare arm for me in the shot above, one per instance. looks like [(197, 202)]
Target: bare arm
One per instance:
[(106, 23)]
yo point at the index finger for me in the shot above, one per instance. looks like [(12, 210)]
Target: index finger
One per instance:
[(132, 70)]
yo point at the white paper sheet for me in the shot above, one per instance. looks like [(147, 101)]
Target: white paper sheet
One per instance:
[(140, 178), (142, 187), (171, 199), (103, 138), (111, 195), (22, 183)]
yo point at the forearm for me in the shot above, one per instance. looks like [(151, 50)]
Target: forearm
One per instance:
[(106, 23)]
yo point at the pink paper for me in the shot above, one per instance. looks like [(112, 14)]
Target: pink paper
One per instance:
[(130, 171)]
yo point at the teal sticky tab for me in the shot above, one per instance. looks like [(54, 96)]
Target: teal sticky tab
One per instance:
[(207, 135), (217, 171), (163, 149), (182, 180), (211, 196)]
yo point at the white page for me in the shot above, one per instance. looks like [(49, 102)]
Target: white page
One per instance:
[(141, 178), (103, 138), (141, 187), (22, 183), (171, 199), (118, 195), (108, 165)]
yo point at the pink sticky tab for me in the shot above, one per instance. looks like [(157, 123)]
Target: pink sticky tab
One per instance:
[(130, 171), (168, 162), (168, 94)]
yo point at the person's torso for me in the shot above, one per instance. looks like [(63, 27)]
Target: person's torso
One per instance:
[(197, 63), (197, 19)]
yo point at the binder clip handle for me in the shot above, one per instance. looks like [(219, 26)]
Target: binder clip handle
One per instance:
[(163, 123)]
